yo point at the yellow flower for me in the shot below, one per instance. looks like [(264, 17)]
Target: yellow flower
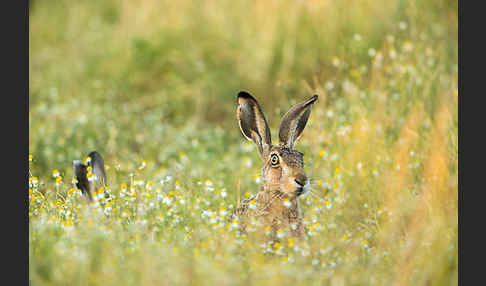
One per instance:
[(58, 179), (290, 242), (55, 173), (322, 153), (31, 157)]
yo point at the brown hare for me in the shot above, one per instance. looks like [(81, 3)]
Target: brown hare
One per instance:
[(283, 176), (90, 177)]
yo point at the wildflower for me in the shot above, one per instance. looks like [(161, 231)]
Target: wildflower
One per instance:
[(222, 212), (148, 186), (143, 165), (267, 230), (335, 61), (371, 52), (31, 157), (252, 205), (209, 185), (55, 173), (87, 160), (235, 224), (279, 248), (280, 233), (74, 181), (257, 178), (407, 46), (364, 243), (312, 231), (323, 154), (223, 193), (330, 85), (290, 242), (91, 177), (287, 203)]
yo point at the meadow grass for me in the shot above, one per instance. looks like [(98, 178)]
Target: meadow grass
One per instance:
[(152, 86)]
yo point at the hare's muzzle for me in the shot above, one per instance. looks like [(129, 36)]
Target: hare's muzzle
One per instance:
[(301, 180)]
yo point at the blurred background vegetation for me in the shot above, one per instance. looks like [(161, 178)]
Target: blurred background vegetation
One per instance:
[(157, 81), (110, 75)]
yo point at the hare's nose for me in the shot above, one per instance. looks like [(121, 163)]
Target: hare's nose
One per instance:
[(301, 179)]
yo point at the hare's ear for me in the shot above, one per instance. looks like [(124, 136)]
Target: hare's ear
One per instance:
[(98, 166), (294, 121), (252, 122), (80, 172)]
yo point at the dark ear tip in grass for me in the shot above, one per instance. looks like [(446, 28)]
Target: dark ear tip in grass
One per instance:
[(94, 154), (313, 98), (244, 94)]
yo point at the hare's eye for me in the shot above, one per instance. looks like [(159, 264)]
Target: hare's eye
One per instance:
[(274, 159)]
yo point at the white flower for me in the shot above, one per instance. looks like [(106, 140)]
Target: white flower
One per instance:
[(252, 205), (371, 52), (287, 203), (330, 85)]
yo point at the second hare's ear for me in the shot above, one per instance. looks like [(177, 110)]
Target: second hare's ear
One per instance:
[(98, 165), (294, 121), (252, 122), (80, 172)]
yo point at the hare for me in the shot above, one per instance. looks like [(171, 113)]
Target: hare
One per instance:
[(283, 176), (91, 177)]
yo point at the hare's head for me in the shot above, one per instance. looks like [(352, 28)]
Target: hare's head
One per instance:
[(283, 168), (90, 176)]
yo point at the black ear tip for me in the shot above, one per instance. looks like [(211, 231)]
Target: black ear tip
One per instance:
[(95, 157), (94, 154), (244, 94), (315, 97)]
